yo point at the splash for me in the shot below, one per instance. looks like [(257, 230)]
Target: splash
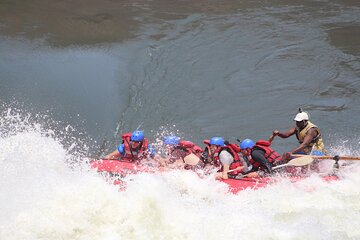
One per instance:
[(45, 198), (161, 133), (36, 156)]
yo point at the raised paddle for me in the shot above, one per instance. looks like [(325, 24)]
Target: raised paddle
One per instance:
[(191, 159), (297, 162)]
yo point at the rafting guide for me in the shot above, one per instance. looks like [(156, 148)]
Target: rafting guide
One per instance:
[(307, 133)]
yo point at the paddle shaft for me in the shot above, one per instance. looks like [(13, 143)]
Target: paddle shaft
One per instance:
[(329, 157), (296, 162), (280, 166)]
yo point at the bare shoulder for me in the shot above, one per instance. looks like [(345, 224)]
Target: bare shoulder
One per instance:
[(312, 131)]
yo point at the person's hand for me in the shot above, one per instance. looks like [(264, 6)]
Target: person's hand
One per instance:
[(273, 135), (240, 168), (286, 156), (252, 175), (188, 167)]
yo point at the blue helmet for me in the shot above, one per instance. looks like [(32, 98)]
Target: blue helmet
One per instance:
[(137, 136), (247, 143), (171, 140), (218, 141)]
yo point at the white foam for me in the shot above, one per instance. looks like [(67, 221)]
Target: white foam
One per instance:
[(42, 198)]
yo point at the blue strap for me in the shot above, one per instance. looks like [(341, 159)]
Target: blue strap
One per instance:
[(121, 148)]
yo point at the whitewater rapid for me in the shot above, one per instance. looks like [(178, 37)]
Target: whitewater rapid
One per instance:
[(43, 196)]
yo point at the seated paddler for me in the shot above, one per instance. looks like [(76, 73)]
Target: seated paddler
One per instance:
[(134, 148), (261, 156), (179, 153), (223, 156)]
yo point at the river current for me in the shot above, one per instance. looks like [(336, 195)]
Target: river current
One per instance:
[(75, 76)]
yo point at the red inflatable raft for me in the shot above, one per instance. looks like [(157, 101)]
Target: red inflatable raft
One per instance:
[(121, 169)]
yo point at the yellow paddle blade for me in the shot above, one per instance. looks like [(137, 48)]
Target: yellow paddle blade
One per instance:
[(300, 161), (191, 159), (297, 162)]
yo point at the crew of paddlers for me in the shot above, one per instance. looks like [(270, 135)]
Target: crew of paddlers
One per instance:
[(249, 158)]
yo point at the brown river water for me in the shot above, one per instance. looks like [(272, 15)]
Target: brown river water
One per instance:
[(237, 69)]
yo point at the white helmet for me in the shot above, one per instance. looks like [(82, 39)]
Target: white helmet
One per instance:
[(301, 117)]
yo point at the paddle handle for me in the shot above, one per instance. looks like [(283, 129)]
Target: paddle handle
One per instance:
[(329, 157)]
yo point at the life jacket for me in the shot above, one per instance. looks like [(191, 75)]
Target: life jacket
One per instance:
[(271, 155), (235, 150), (316, 144), (185, 148), (214, 159), (190, 147), (132, 154)]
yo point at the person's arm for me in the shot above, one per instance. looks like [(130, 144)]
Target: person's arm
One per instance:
[(245, 166), (225, 171), (117, 153), (286, 134), (259, 156), (310, 135)]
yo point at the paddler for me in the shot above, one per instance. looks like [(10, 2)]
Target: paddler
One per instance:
[(179, 153), (308, 135), (224, 156), (134, 148), (261, 157)]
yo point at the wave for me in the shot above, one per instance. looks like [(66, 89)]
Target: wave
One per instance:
[(46, 197)]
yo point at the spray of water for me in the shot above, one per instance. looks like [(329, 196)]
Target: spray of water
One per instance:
[(43, 197)]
